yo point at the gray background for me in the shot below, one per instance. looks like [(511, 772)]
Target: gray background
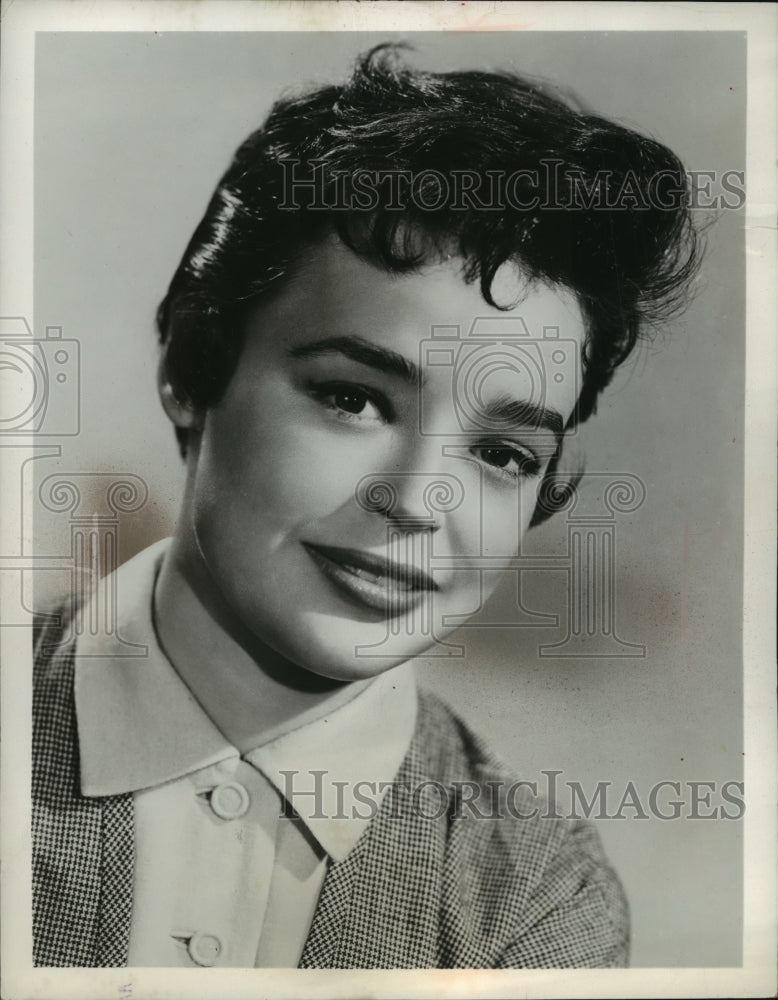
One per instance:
[(131, 134)]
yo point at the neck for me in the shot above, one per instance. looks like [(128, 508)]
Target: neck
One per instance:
[(250, 692)]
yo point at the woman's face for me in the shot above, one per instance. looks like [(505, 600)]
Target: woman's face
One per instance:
[(361, 479)]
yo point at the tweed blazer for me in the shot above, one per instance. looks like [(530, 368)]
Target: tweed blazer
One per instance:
[(423, 888)]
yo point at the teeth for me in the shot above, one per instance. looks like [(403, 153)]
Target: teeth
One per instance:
[(363, 574), (378, 580)]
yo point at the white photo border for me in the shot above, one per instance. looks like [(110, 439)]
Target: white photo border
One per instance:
[(21, 20)]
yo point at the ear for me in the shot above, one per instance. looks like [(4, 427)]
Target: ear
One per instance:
[(182, 415)]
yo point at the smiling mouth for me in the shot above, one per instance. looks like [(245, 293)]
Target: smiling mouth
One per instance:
[(372, 581)]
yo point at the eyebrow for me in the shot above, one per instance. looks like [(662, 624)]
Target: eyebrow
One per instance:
[(523, 413), (364, 353)]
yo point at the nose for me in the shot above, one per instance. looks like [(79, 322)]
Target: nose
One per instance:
[(414, 501)]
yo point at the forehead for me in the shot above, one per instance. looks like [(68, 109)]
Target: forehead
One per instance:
[(333, 290)]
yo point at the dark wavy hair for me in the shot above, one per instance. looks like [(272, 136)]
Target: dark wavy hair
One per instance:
[(627, 249)]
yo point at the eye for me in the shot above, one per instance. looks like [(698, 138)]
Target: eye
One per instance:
[(353, 403), (350, 400), (507, 460)]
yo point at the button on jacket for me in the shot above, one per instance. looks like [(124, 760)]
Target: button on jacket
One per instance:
[(420, 881)]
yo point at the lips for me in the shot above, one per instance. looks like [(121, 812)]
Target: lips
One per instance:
[(372, 581)]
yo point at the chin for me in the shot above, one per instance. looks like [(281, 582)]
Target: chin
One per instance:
[(355, 671), (328, 647)]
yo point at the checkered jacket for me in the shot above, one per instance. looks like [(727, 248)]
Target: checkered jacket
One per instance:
[(430, 887)]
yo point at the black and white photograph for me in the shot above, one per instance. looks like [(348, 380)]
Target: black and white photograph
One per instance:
[(388, 562)]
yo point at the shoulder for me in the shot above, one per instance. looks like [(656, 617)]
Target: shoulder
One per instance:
[(542, 878), (53, 710), (450, 749), (53, 644)]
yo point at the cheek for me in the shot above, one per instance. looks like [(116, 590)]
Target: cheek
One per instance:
[(271, 461), (493, 521)]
